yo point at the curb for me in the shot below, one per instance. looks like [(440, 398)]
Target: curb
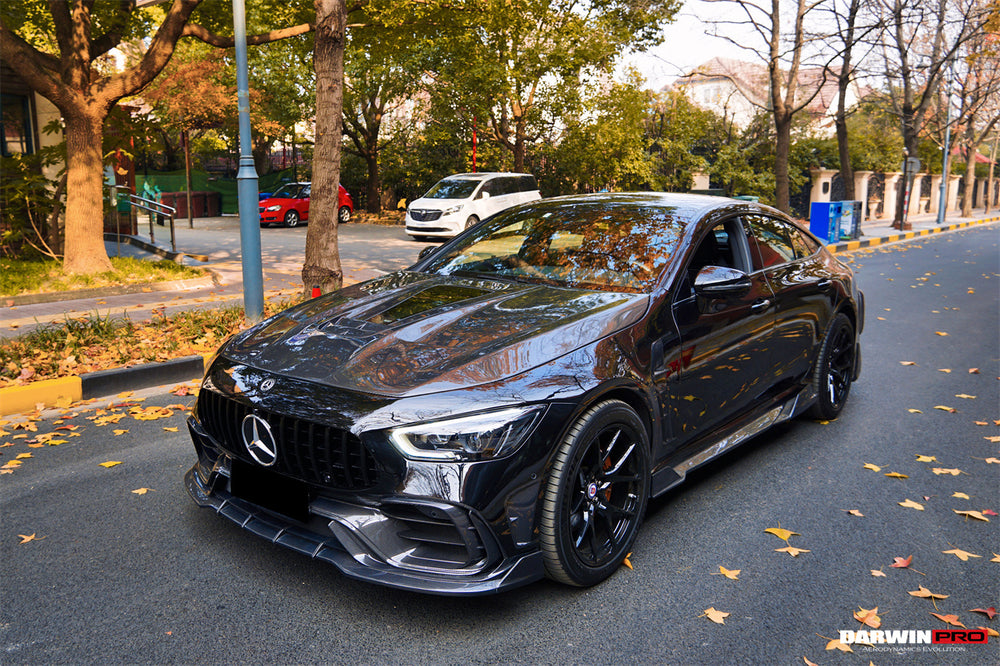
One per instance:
[(18, 399), (213, 279), (154, 249), (848, 246)]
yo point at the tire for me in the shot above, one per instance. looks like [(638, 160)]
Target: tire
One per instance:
[(471, 222), (595, 496), (292, 218), (343, 215), (834, 369)]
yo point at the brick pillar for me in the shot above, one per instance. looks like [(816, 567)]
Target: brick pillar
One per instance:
[(935, 192), (889, 201), (861, 191), (914, 208), (822, 184)]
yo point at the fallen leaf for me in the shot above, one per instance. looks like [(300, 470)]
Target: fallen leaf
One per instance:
[(170, 429), (120, 431), (914, 411), (960, 554), (921, 458), (731, 574), (809, 663), (897, 475), (990, 512), (972, 514), (627, 562), (874, 468), (868, 618), (716, 616), (837, 645), (973, 371), (946, 408), (995, 558), (994, 439), (991, 632), (941, 333), (791, 550), (854, 512), (901, 563), (143, 491), (907, 363), (965, 396), (992, 461), (126, 394), (988, 612), (942, 470), (25, 538), (111, 463), (878, 573), (21, 456), (781, 533), (910, 504), (949, 619), (946, 371), (924, 593), (961, 495)]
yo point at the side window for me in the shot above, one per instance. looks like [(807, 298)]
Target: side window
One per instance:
[(490, 188), (306, 192), (804, 244), (716, 248), (770, 244), (526, 184)]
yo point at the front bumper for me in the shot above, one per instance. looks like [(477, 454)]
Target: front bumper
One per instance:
[(392, 541)]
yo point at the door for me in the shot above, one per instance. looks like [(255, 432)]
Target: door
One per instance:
[(802, 291), (713, 368)]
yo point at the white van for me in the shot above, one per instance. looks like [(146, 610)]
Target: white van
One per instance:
[(460, 201)]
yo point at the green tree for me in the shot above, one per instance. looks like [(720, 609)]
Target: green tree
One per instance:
[(522, 59), (684, 138)]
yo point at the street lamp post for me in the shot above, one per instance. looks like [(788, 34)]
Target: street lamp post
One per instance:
[(946, 153), (246, 179)]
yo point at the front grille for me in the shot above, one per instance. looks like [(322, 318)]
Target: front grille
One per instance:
[(424, 215), (313, 452)]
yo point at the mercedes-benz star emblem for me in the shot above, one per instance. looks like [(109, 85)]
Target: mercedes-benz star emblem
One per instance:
[(267, 385), (259, 440)]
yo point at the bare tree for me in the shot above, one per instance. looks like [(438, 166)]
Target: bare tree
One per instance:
[(782, 53), (920, 38), (979, 88)]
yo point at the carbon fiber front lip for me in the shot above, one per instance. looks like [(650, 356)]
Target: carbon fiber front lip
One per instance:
[(510, 573)]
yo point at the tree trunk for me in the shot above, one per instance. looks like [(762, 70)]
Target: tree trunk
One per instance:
[(971, 150), (520, 132), (322, 257), (84, 250), (782, 148), (373, 203)]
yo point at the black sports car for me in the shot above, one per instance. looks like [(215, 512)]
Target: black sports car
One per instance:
[(504, 409)]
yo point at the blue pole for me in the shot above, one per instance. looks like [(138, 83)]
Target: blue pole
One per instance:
[(246, 179)]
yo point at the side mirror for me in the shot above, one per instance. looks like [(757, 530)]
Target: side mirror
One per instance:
[(483, 195), (720, 282), (427, 251)]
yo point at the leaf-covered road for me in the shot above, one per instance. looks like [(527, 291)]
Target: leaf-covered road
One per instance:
[(96, 571)]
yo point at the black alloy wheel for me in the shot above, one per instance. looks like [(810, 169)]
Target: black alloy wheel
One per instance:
[(834, 369), (292, 218), (596, 495), (343, 215)]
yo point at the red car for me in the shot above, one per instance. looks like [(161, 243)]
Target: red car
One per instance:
[(290, 206)]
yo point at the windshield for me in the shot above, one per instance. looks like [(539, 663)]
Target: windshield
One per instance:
[(452, 188), (611, 245), (289, 191)]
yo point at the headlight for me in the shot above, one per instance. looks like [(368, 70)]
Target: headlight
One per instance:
[(453, 209), (488, 435), (273, 208)]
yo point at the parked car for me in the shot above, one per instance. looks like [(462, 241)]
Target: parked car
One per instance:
[(458, 202), (504, 409), (289, 206)]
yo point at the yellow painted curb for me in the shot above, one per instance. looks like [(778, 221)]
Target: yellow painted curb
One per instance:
[(17, 399)]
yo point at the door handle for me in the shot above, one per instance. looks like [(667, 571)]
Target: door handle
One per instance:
[(761, 305)]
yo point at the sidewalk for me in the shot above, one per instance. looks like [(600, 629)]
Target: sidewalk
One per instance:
[(279, 280)]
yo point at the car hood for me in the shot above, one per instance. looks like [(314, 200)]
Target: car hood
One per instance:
[(282, 201), (437, 204), (408, 334)]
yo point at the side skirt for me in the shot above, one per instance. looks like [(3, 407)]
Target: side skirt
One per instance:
[(667, 477)]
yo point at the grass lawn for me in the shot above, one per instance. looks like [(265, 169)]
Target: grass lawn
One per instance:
[(37, 276)]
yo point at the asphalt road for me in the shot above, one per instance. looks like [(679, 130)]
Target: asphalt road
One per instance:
[(117, 577)]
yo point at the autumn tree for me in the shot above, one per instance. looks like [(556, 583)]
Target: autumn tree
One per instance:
[(781, 49), (57, 50)]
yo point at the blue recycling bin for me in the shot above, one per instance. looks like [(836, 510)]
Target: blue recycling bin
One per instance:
[(834, 221)]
